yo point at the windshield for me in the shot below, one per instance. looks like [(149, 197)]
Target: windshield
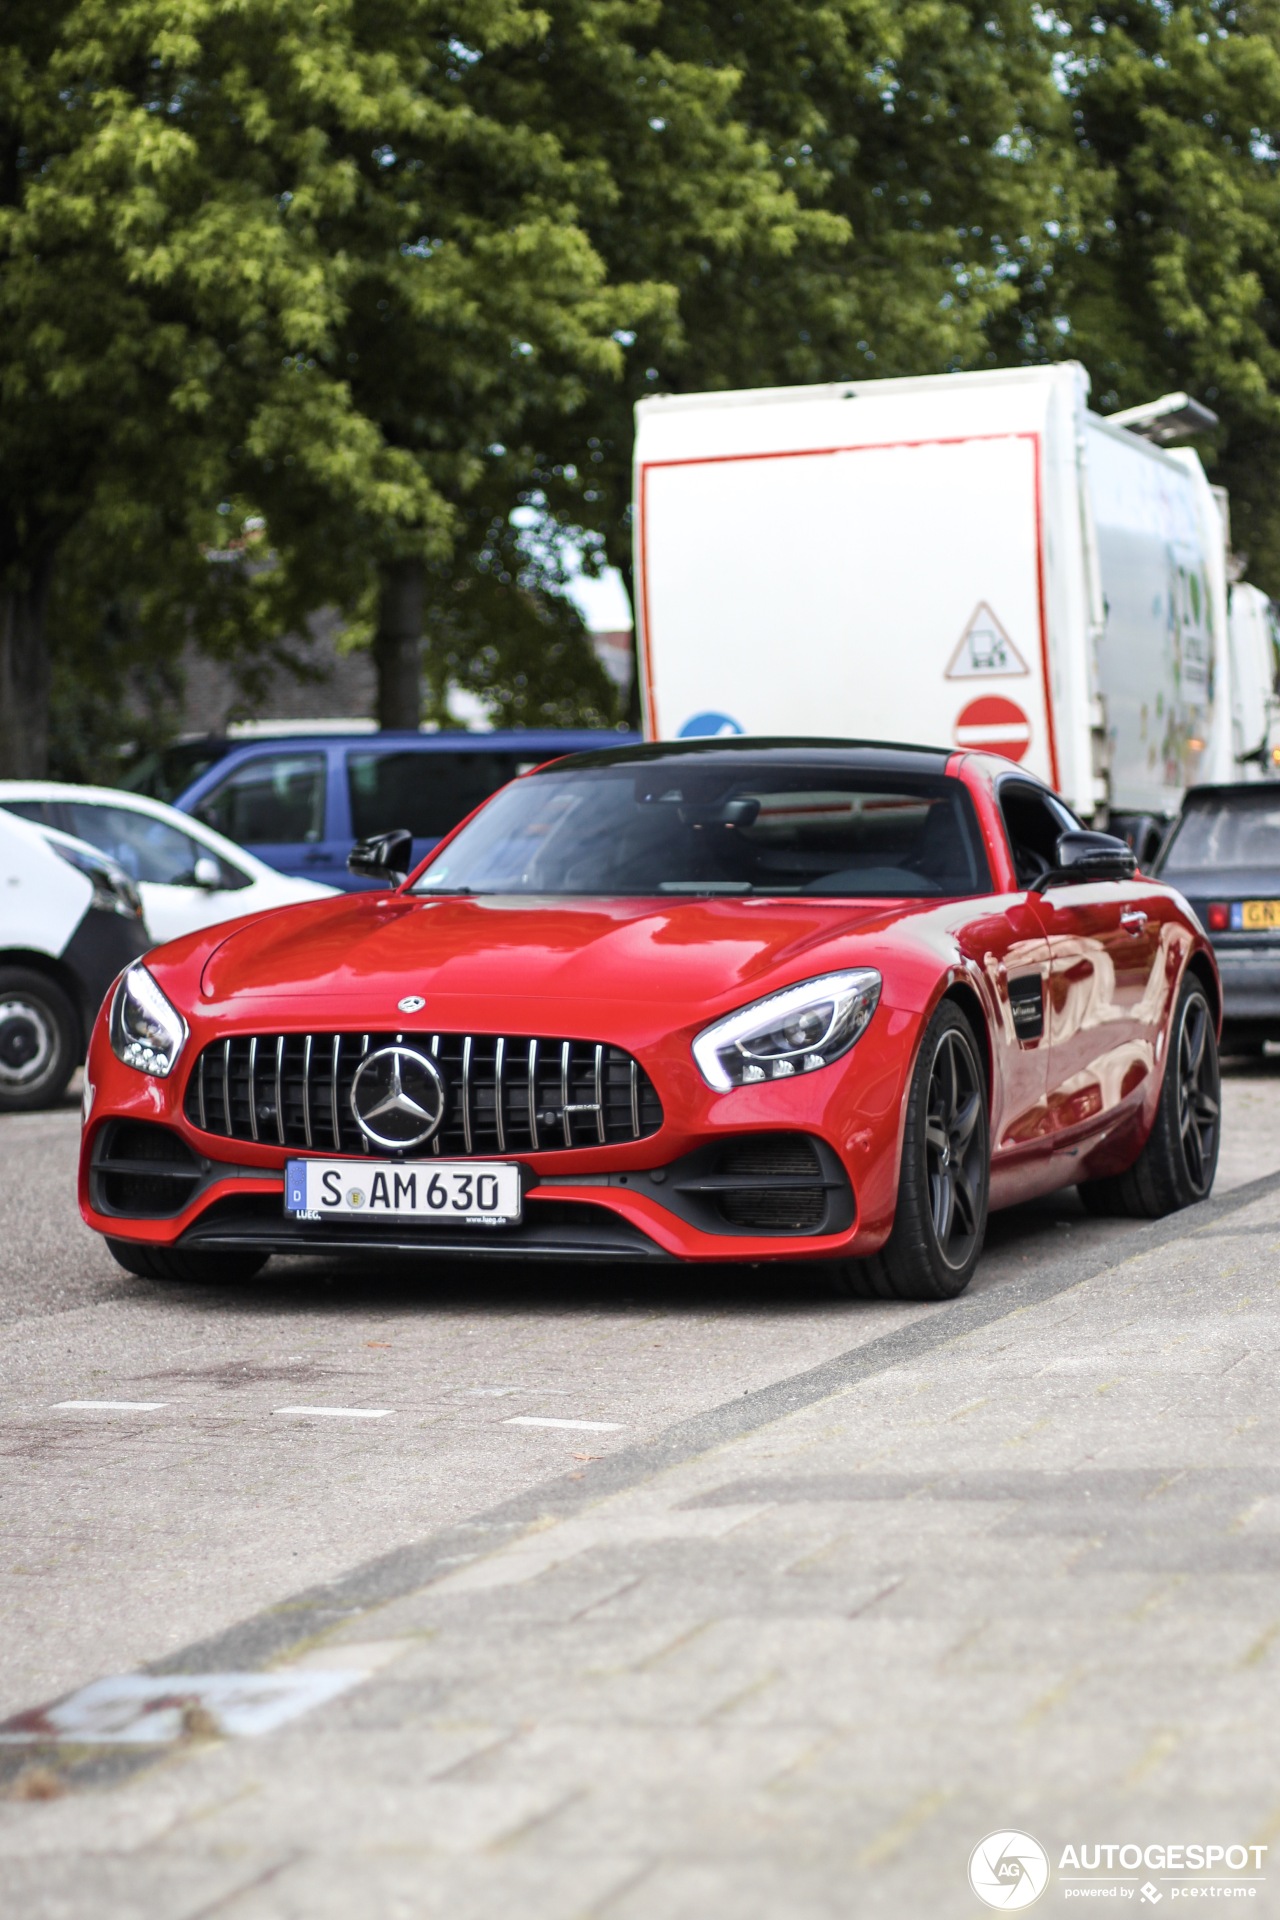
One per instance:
[(679, 827), (1240, 830)]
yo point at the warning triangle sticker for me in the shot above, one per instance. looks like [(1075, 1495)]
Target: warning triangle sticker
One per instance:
[(985, 650)]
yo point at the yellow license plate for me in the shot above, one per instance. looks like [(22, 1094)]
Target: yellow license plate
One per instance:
[(1257, 915)]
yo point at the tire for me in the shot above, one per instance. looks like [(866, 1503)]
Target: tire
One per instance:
[(39, 1040), (187, 1269), (1176, 1167), (943, 1183)]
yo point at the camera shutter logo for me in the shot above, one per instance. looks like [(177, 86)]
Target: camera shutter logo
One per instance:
[(1008, 1870), (397, 1097)]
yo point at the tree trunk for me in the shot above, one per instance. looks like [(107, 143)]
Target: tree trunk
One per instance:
[(397, 645), (25, 675)]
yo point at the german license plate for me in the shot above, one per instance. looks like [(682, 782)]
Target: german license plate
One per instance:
[(467, 1193), (1255, 916)]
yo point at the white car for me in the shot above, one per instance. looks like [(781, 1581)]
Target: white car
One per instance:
[(188, 875), (69, 922)]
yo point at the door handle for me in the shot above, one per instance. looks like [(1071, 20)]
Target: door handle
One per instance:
[(1132, 919)]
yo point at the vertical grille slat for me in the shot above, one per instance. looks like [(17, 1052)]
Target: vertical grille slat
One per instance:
[(504, 1093), (499, 1057)]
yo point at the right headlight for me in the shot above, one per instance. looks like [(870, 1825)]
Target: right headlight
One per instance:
[(147, 1031), (795, 1031)]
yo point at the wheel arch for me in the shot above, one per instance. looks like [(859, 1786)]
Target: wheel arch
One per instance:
[(1202, 968), (964, 996)]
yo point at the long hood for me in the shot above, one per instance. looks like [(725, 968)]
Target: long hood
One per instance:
[(364, 955)]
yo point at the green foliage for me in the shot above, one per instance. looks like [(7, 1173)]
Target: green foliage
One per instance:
[(1174, 281), (384, 273)]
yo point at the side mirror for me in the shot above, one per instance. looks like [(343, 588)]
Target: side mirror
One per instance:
[(384, 857), (1084, 856), (206, 873)]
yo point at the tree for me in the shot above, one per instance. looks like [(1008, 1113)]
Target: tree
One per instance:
[(1174, 280), (308, 262), (927, 149)]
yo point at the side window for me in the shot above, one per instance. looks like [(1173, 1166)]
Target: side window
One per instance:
[(426, 791), (1034, 821), (41, 813), (277, 800), (146, 848)]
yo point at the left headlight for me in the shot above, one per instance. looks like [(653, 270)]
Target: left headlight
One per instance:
[(795, 1031), (113, 890), (146, 1031)]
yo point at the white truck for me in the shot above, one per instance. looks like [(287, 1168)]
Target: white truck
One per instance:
[(971, 559)]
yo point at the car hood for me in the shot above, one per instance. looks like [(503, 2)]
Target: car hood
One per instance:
[(363, 954)]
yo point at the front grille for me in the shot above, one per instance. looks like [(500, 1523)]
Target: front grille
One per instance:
[(142, 1170), (783, 1190), (505, 1094)]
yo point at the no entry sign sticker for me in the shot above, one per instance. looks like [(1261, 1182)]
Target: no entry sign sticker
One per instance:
[(994, 725)]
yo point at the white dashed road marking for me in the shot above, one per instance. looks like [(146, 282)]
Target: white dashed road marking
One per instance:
[(109, 1406), (581, 1426), (339, 1413)]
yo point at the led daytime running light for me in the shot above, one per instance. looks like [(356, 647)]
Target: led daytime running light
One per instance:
[(796, 1031), (146, 1031)]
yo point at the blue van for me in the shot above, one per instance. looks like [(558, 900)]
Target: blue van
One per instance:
[(301, 802)]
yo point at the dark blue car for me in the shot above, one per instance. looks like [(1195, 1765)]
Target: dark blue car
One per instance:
[(302, 802)]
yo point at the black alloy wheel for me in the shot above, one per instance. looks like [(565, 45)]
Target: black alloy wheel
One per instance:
[(1177, 1165), (941, 1216), (1199, 1094), (955, 1148)]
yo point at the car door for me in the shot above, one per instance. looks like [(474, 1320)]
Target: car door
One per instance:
[(1105, 989), (276, 803)]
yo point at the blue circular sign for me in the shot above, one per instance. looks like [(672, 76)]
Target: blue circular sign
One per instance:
[(706, 726)]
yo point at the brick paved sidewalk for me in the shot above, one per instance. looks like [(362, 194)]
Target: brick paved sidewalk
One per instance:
[(1015, 1568)]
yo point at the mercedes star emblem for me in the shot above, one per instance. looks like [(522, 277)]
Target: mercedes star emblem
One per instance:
[(397, 1097), (412, 1003)]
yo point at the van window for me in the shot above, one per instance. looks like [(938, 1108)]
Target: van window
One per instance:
[(428, 791), (277, 800)]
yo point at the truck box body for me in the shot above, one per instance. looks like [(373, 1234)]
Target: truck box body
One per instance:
[(970, 559)]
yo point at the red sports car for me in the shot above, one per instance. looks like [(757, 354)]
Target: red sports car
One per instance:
[(715, 1000)]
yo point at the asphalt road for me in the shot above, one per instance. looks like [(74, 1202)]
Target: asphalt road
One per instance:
[(127, 1532)]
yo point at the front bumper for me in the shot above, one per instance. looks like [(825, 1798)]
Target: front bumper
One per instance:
[(686, 1192)]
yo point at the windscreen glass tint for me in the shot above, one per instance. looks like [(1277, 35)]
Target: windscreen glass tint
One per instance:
[(681, 828), (427, 792), (1242, 830)]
